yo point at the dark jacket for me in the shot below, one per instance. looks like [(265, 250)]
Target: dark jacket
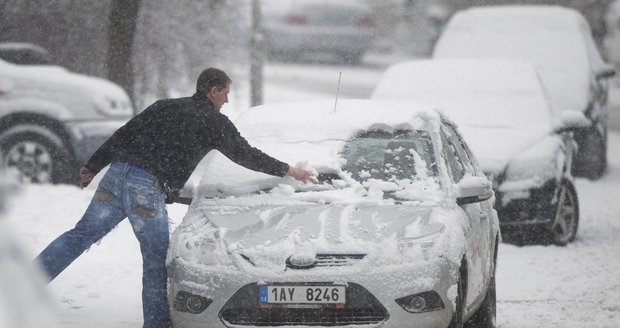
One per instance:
[(170, 137)]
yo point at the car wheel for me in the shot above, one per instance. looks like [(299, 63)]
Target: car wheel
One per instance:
[(566, 221), (38, 155), (457, 316), (591, 157)]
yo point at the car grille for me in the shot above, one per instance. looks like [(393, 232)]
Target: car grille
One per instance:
[(361, 308), (333, 260)]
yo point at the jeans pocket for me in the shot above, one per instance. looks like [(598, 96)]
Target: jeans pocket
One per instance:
[(144, 202)]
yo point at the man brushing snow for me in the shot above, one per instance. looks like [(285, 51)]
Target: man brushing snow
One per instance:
[(151, 158)]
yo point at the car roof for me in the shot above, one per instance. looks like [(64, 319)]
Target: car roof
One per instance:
[(472, 85), (556, 39), (325, 119)]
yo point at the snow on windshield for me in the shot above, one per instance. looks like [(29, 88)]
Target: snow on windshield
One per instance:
[(354, 145)]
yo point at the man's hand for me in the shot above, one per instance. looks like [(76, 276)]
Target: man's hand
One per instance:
[(301, 174), (86, 176)]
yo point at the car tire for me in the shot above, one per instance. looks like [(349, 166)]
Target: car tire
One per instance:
[(457, 316), (591, 157), (485, 317), (566, 221), (38, 154)]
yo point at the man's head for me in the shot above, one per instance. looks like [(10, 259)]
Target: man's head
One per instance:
[(215, 84)]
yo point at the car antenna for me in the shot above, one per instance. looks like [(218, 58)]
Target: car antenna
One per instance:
[(337, 91)]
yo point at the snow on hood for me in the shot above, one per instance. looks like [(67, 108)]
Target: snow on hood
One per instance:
[(554, 38), (265, 236), (57, 84), (499, 105)]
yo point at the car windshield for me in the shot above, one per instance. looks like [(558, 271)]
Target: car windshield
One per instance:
[(381, 155)]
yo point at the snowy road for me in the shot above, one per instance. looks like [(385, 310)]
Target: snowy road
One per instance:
[(573, 286)]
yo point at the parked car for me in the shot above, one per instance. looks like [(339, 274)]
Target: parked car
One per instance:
[(302, 29), (24, 53), (400, 230), (501, 108), (52, 120), (558, 41)]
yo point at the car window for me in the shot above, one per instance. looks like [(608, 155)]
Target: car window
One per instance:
[(389, 156), (454, 159), (464, 154)]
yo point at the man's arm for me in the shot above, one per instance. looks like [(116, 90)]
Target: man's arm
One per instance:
[(86, 176), (237, 149), (301, 174)]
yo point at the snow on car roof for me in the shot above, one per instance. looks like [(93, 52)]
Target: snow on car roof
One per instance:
[(499, 105), (60, 76), (553, 38)]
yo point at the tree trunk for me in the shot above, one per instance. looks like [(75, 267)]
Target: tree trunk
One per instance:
[(256, 56), (123, 19)]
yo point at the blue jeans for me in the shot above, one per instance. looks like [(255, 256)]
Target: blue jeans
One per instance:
[(125, 191)]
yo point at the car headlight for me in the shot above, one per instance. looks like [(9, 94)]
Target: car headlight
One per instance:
[(208, 249), (112, 106), (419, 246)]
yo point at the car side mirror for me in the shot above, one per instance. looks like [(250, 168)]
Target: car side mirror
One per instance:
[(473, 189), (606, 73), (572, 120)]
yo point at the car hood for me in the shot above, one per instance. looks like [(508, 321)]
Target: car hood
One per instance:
[(78, 92), (266, 236), (496, 146)]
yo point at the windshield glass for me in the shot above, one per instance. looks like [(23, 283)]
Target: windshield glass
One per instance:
[(386, 156)]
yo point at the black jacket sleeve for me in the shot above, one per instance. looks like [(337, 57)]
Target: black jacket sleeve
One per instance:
[(237, 149), (116, 144), (105, 153)]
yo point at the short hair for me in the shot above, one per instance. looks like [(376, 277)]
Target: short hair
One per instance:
[(212, 77)]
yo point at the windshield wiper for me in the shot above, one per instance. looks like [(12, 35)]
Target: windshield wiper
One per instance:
[(328, 177)]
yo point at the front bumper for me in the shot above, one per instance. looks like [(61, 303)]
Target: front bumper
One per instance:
[(87, 136), (371, 302), (537, 209)]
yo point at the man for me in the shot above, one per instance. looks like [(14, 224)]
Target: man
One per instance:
[(151, 158)]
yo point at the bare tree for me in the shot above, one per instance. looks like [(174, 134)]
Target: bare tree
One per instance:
[(123, 19)]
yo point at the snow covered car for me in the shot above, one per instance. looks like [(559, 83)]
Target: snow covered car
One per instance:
[(52, 120), (558, 41), (400, 230), (300, 28), (501, 108)]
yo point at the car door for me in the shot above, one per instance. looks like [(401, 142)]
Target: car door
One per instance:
[(479, 251)]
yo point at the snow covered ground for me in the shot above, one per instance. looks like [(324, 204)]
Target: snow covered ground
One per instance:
[(573, 286)]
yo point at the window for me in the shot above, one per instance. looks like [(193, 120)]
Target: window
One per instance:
[(387, 156)]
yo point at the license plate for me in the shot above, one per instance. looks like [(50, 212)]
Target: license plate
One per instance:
[(301, 294)]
